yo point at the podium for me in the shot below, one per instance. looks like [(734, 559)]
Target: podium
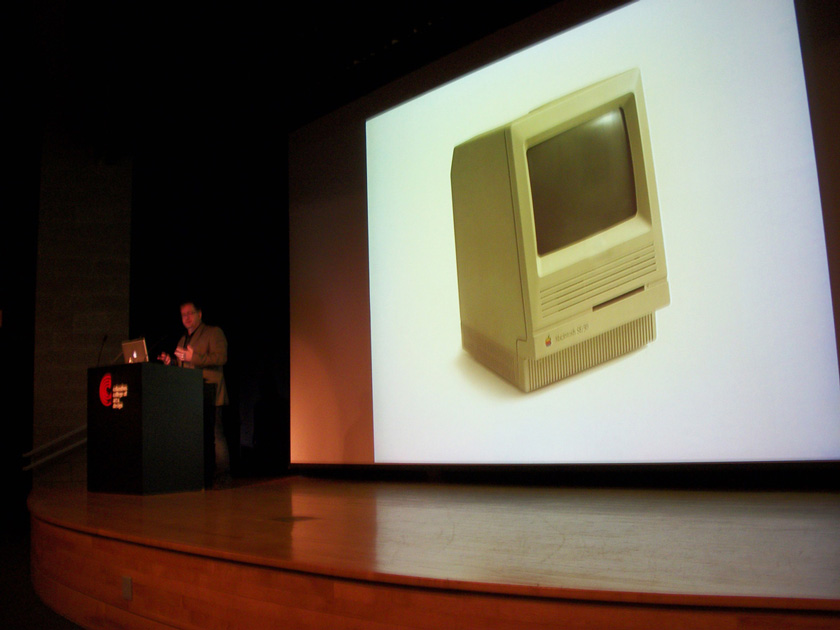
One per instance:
[(146, 429)]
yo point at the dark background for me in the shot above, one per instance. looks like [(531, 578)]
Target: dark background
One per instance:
[(200, 97)]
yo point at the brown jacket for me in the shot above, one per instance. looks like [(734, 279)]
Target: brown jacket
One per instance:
[(209, 346)]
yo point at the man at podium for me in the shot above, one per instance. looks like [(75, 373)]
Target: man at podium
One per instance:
[(204, 347)]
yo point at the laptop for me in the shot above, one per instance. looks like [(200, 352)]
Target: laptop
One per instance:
[(134, 351)]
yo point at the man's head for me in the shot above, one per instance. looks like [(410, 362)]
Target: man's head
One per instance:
[(190, 316)]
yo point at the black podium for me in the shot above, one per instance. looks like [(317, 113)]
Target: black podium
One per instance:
[(146, 429)]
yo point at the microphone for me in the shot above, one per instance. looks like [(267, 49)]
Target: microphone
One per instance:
[(116, 356), (101, 348)]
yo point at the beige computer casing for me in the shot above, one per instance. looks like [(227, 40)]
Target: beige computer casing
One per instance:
[(536, 319)]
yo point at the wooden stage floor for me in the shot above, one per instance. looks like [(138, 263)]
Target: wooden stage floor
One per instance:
[(299, 552)]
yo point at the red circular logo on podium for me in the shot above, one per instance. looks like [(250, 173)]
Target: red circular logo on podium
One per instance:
[(105, 390)]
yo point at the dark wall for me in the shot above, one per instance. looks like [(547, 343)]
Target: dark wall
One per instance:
[(209, 218), (187, 94), (18, 250), (207, 226)]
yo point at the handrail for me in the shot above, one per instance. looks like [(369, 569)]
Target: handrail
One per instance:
[(54, 455), (59, 440)]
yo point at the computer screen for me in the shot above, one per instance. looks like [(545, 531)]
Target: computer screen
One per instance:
[(581, 181)]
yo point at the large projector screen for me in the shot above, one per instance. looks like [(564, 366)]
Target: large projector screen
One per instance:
[(744, 366)]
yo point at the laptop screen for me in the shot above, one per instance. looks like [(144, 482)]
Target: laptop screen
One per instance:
[(134, 351)]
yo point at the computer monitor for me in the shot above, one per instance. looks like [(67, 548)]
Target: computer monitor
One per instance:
[(558, 239)]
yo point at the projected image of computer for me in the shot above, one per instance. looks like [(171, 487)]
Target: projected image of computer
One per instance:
[(558, 238)]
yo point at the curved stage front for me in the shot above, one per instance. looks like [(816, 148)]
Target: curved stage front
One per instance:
[(313, 553)]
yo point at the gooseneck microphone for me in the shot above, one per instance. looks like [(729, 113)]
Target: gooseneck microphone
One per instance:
[(101, 348)]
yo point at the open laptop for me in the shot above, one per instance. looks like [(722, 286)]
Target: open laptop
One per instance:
[(134, 351)]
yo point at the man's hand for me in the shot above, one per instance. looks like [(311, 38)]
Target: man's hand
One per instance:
[(184, 354)]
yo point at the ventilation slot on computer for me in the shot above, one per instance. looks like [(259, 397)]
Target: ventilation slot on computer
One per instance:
[(598, 282), (592, 352)]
